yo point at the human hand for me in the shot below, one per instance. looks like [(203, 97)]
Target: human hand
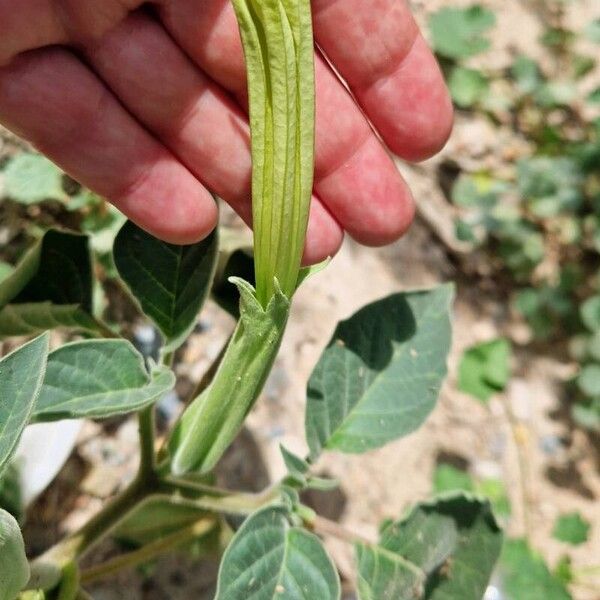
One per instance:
[(146, 106)]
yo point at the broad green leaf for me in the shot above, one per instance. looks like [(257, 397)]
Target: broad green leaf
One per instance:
[(21, 375), (467, 86), (14, 568), (457, 33), (212, 421), (31, 178), (278, 46), (384, 575), (454, 540), (158, 518), (50, 287), (170, 282), (590, 313), (588, 380), (381, 373), (571, 528), (270, 559), (31, 318), (525, 576), (98, 379), (11, 497), (484, 369)]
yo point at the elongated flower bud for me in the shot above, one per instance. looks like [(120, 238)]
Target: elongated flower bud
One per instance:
[(278, 45)]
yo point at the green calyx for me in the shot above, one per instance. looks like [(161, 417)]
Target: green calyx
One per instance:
[(278, 45), (213, 420)]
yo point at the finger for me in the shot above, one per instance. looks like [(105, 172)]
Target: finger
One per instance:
[(192, 116), (50, 98), (390, 70), (374, 209), (38, 23)]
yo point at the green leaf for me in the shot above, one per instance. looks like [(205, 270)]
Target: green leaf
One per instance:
[(527, 74), (270, 559), (447, 478), (495, 491), (477, 191), (170, 282), (31, 318), (11, 497), (50, 287), (594, 96), (31, 178), (98, 379), (238, 263), (484, 369), (592, 31), (278, 46), (550, 185), (454, 540), (457, 32), (590, 313), (158, 518), (525, 575), (294, 464), (556, 93), (582, 65), (384, 575), (212, 421), (14, 568), (588, 380), (5, 270), (467, 86), (381, 373), (588, 415), (21, 375), (571, 528)]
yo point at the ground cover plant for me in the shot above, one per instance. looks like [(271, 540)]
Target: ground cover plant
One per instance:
[(376, 381), (538, 221)]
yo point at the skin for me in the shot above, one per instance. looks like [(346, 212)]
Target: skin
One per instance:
[(146, 105)]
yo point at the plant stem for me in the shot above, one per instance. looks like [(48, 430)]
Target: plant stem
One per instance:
[(146, 426), (95, 530), (148, 552), (235, 503), (520, 436)]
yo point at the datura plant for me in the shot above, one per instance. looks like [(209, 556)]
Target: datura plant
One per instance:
[(376, 381)]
